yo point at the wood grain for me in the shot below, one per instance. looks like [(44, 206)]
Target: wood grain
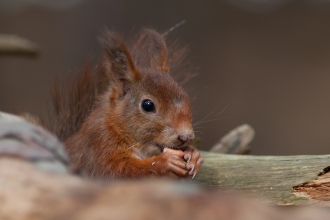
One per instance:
[(270, 177)]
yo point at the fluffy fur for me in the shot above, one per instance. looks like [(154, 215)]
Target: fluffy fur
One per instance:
[(99, 117)]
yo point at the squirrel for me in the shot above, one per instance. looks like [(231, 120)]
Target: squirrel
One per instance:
[(127, 118)]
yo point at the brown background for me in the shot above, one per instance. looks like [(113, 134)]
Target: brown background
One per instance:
[(268, 64)]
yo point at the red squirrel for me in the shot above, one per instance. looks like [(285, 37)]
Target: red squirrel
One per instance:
[(127, 118)]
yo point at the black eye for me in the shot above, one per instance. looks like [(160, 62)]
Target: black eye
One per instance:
[(148, 106)]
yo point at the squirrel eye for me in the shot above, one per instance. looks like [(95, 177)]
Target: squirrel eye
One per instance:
[(148, 105)]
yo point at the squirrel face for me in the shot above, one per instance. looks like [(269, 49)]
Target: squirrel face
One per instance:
[(157, 111), (146, 107)]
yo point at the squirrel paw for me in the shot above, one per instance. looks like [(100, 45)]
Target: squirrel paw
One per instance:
[(193, 160), (171, 164)]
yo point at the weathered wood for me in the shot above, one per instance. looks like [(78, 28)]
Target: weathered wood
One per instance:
[(28, 193), (316, 190), (270, 177)]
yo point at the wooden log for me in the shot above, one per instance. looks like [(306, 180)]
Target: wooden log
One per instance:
[(269, 177), (28, 193)]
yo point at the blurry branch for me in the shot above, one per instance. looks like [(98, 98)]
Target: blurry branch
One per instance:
[(236, 141), (14, 45)]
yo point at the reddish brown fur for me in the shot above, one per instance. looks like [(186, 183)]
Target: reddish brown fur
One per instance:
[(100, 119)]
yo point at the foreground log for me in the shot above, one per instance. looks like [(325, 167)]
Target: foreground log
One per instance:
[(29, 193), (271, 178)]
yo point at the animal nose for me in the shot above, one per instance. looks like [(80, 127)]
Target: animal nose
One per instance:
[(184, 138)]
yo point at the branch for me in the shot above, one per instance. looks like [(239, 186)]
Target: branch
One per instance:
[(236, 141), (14, 45)]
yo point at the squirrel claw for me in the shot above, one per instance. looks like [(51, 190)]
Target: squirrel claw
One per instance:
[(191, 169), (187, 157)]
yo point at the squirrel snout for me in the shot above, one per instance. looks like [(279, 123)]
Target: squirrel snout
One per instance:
[(184, 138)]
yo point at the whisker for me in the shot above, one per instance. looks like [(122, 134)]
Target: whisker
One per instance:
[(198, 94), (207, 87), (135, 145), (205, 116), (204, 119), (222, 110), (145, 144), (214, 119), (198, 127)]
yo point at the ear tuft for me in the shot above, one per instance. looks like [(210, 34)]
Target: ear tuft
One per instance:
[(117, 61), (150, 51)]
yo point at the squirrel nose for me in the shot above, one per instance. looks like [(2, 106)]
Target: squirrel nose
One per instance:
[(184, 138)]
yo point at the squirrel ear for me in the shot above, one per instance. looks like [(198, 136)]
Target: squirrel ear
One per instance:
[(150, 51), (117, 61)]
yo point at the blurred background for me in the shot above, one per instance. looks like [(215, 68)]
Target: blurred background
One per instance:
[(261, 62)]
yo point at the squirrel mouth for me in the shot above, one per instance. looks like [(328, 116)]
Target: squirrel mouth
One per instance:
[(174, 147)]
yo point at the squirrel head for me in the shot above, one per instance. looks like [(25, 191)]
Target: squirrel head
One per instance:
[(144, 106)]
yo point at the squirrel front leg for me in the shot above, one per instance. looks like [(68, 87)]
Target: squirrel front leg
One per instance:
[(170, 163)]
